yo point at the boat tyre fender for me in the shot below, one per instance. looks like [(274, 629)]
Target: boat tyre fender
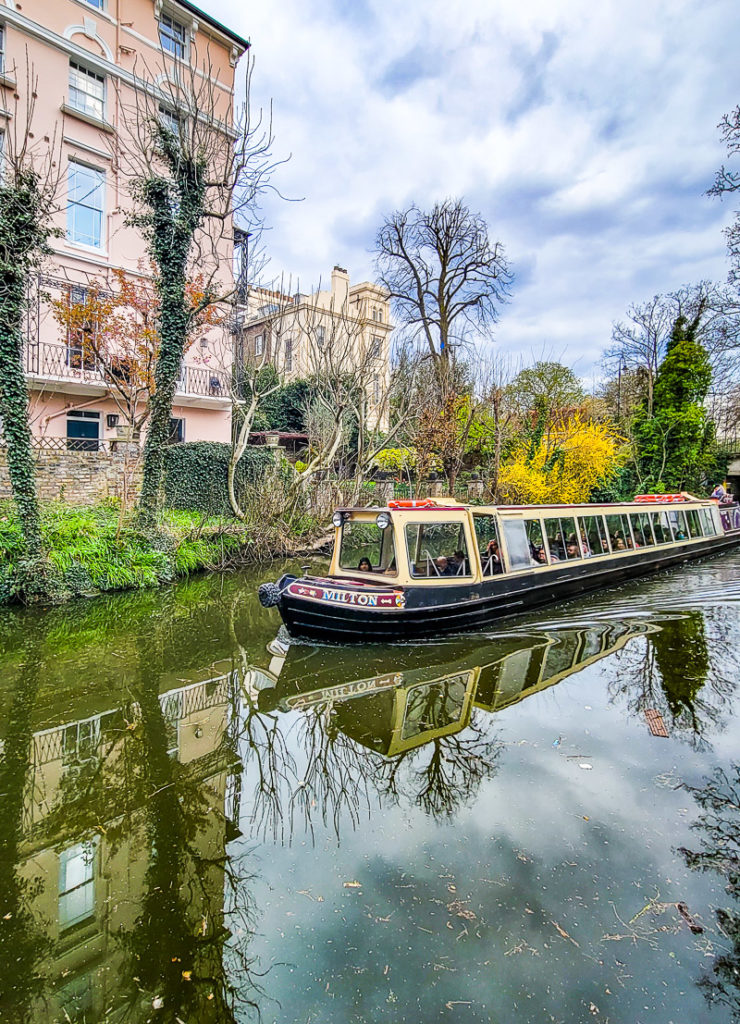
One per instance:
[(269, 594)]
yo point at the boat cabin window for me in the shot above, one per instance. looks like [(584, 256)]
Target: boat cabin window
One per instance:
[(593, 535), (661, 527), (486, 537), (692, 517), (641, 530), (525, 545), (437, 550), (678, 523), (367, 548), (620, 535), (707, 522), (563, 539), (433, 706)]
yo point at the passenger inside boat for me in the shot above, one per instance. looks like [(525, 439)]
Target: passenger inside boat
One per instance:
[(428, 545), (366, 547)]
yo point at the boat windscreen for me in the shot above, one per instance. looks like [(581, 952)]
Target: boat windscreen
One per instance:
[(367, 548)]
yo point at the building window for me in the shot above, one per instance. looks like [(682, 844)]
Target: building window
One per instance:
[(99, 5), (376, 390), (172, 36), (320, 336), (81, 334), (288, 355), (177, 431), (85, 200), (86, 91), (2, 49), (76, 884), (377, 315), (376, 347), (259, 344), (83, 431), (169, 119)]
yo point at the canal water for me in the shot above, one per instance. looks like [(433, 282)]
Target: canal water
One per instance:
[(199, 823)]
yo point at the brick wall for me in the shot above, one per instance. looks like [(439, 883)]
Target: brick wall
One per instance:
[(79, 478)]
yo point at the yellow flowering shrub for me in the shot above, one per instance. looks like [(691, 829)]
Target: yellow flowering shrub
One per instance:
[(564, 466)]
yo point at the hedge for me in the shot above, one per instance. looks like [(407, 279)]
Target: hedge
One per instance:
[(195, 475)]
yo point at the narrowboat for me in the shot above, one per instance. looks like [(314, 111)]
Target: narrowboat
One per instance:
[(420, 569)]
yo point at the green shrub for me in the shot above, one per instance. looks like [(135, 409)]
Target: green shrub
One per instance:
[(195, 475)]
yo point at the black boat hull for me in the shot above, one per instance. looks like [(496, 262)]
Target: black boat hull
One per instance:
[(430, 611)]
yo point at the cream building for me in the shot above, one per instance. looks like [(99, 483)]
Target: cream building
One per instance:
[(343, 328), (90, 57)]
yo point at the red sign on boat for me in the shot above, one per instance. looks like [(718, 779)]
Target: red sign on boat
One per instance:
[(358, 598)]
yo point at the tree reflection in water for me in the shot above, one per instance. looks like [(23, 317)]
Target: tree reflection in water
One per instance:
[(680, 669), (719, 827), (349, 755), (23, 938), (177, 945)]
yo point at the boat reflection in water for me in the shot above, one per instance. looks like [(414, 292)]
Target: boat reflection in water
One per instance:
[(395, 711)]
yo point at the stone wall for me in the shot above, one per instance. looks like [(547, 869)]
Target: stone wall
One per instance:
[(78, 478)]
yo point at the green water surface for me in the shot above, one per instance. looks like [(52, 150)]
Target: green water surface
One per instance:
[(201, 823)]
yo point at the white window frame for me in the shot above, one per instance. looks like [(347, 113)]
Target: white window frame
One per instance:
[(169, 21), (98, 5), (376, 346), (259, 344), (288, 360), (169, 118), (2, 47), (320, 336), (86, 853), (72, 237), (92, 105)]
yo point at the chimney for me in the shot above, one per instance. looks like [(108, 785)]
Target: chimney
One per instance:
[(339, 288)]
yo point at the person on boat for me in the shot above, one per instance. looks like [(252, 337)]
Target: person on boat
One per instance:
[(540, 556), (618, 543), (719, 492), (571, 548), (493, 557), (457, 563), (364, 565), (443, 566)]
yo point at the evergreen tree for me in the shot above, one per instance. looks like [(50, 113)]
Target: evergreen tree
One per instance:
[(675, 447)]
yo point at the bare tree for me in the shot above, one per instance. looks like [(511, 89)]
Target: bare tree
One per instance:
[(639, 342), (727, 182), (445, 277), (28, 202), (192, 168)]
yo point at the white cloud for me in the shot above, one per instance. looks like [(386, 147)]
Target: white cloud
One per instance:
[(585, 134)]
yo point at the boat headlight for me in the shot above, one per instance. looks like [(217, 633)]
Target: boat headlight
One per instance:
[(383, 520), (337, 519)]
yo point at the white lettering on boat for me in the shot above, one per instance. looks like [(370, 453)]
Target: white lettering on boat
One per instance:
[(360, 598)]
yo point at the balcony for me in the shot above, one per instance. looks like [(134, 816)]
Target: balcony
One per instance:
[(69, 369)]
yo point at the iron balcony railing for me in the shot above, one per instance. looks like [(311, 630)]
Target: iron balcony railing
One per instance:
[(50, 361)]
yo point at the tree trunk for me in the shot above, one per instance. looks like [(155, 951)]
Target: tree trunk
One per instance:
[(14, 412), (174, 323)]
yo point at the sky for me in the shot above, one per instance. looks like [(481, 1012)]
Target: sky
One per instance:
[(584, 133)]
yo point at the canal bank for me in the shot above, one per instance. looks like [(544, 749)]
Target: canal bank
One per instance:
[(195, 825)]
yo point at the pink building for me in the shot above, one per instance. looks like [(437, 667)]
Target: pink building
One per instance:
[(88, 56)]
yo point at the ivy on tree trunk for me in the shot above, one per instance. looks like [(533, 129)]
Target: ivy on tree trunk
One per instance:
[(173, 207), (24, 234)]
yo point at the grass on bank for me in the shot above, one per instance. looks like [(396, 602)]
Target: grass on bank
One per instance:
[(87, 556)]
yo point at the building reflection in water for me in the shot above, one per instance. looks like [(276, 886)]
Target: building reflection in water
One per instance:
[(113, 826)]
